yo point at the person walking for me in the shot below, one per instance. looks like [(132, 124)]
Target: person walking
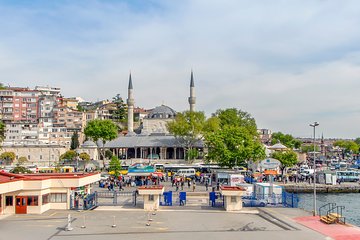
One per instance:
[(194, 185), (206, 184), (177, 186)]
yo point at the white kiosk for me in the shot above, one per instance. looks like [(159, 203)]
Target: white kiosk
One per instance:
[(151, 196), (232, 197)]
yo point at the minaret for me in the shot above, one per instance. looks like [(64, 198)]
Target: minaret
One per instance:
[(192, 98), (130, 103)]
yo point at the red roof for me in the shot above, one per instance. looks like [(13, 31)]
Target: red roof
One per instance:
[(9, 177)]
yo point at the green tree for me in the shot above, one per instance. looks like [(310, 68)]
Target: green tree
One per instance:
[(188, 127), (8, 157), (2, 131), (74, 141), (84, 156), (20, 169), (287, 159), (286, 139), (120, 113), (357, 140), (348, 146), (234, 139), (2, 86), (235, 117), (115, 166), (68, 155), (22, 160), (309, 148), (108, 154), (104, 130)]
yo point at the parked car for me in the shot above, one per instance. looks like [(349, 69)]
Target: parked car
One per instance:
[(251, 202)]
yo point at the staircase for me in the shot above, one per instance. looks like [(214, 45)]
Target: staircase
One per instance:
[(330, 213)]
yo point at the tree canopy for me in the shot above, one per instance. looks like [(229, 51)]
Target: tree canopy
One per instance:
[(20, 169), (74, 141), (104, 130), (348, 146), (84, 156), (189, 128), (234, 139), (115, 166), (68, 155), (287, 159), (286, 139), (120, 112), (2, 131), (309, 148), (8, 157), (22, 160)]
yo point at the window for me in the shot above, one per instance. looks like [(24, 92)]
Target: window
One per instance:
[(58, 197), (45, 199), (9, 201), (233, 199), (32, 201), (151, 198)]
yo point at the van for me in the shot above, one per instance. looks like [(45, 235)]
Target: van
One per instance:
[(187, 172)]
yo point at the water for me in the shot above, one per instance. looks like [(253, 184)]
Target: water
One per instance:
[(351, 202)]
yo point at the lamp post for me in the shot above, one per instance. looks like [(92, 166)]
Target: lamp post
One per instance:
[(314, 125)]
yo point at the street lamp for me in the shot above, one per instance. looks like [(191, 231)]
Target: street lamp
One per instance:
[(314, 125)]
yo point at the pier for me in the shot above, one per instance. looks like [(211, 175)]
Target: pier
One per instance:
[(321, 188)]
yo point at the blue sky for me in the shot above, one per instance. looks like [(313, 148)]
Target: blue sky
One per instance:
[(288, 63)]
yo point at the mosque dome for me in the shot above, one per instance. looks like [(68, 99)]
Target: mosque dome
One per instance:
[(162, 112)]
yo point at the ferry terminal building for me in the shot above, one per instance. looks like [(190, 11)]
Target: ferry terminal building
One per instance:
[(37, 193)]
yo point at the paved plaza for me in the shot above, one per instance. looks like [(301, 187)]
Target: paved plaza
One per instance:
[(167, 223)]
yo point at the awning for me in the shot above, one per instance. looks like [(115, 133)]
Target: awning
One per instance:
[(157, 174)]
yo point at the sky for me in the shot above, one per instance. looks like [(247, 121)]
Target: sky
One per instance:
[(287, 63)]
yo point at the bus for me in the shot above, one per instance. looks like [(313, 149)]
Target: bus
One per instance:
[(62, 169), (348, 176)]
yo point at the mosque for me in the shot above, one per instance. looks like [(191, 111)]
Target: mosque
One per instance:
[(152, 139)]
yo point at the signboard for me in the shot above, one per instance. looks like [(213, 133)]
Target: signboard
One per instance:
[(270, 163), (139, 168), (236, 179)]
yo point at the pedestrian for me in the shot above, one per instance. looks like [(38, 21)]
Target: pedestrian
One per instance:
[(177, 186), (206, 184), (189, 183), (120, 186), (194, 184), (182, 185)]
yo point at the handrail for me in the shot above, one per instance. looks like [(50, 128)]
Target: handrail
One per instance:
[(339, 212), (328, 205)]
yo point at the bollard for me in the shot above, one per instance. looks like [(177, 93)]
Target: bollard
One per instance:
[(154, 212), (114, 225), (149, 217), (68, 226), (83, 226)]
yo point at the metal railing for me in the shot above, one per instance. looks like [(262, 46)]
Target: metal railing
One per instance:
[(326, 208), (339, 213)]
